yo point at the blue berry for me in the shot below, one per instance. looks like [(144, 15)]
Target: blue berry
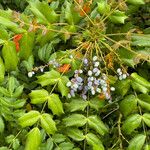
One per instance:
[(85, 61), (68, 84), (112, 89), (89, 73), (96, 64), (94, 58), (79, 79)]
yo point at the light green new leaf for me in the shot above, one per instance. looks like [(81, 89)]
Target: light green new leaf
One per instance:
[(75, 134), (55, 104), (48, 124), (144, 101), (128, 105), (77, 120), (146, 119), (103, 8), (10, 56), (94, 141), (118, 17), (39, 96), (29, 118), (137, 142), (96, 124), (33, 139), (77, 104), (131, 123), (49, 78)]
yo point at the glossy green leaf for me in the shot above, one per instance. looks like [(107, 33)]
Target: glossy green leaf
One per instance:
[(26, 45), (77, 104), (62, 85), (144, 101), (65, 146), (140, 80), (96, 124), (131, 123), (103, 8), (137, 142), (10, 56), (139, 88), (4, 34), (53, 77), (123, 86), (55, 104), (39, 96), (128, 105), (77, 120), (58, 138), (94, 141), (6, 21), (137, 2), (48, 124), (33, 139), (146, 119), (18, 91), (2, 125), (11, 85), (49, 78), (75, 134), (2, 70), (43, 12), (118, 17), (29, 118), (141, 40), (96, 104)]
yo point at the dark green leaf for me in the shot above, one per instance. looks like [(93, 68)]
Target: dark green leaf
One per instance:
[(128, 105), (96, 124)]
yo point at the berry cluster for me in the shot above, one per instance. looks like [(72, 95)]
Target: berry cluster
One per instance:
[(121, 74), (52, 63), (90, 80)]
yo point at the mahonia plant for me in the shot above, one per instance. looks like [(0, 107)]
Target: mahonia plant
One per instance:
[(74, 76)]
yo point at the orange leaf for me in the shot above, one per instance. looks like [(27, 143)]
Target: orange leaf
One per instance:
[(101, 96), (64, 68), (86, 9)]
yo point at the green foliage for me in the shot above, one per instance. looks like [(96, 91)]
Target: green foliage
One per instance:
[(43, 49)]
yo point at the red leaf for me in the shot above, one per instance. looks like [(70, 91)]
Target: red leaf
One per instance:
[(16, 40)]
